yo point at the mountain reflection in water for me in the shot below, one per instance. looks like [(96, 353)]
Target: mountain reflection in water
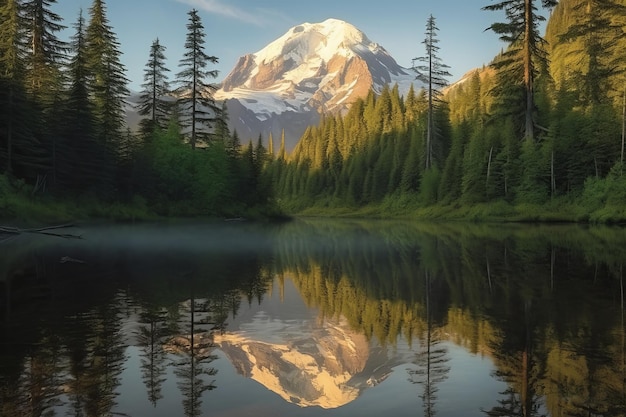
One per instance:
[(314, 317)]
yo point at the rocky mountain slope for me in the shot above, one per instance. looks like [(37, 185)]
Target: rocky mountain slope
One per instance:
[(311, 69)]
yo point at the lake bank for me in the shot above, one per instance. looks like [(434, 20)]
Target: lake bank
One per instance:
[(556, 211)]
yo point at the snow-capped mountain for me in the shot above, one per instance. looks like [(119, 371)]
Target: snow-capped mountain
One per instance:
[(311, 69)]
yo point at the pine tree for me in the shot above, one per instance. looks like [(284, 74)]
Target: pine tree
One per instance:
[(195, 93), (107, 90), (222, 131), (21, 154), (77, 157), (154, 101), (281, 150), (45, 78), (12, 64), (597, 25), (47, 52), (526, 48), (107, 80), (433, 72)]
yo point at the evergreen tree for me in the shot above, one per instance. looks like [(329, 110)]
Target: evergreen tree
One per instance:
[(452, 174), (433, 72), (107, 80), (195, 93), (526, 48), (222, 131), (47, 52), (78, 161), (281, 150), (21, 153), (12, 64), (154, 101), (596, 23), (45, 79)]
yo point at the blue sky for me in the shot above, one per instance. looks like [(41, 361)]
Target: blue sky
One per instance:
[(237, 27)]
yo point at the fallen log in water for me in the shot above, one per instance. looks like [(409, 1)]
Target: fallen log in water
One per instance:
[(48, 230)]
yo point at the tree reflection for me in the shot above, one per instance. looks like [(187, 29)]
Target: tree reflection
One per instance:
[(151, 336), (521, 368), (544, 303), (37, 390), (431, 357), (96, 361), (194, 349)]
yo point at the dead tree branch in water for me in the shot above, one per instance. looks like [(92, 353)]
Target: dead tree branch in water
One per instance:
[(41, 230)]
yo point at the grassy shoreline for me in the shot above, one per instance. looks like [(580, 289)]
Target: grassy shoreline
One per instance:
[(556, 211), (23, 210), (20, 207)]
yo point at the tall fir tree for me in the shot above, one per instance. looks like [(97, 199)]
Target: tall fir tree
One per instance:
[(107, 79), (21, 153), (196, 101), (108, 92), (526, 51), (47, 52), (598, 25), (45, 76), (77, 166), (154, 103), (12, 64), (433, 72)]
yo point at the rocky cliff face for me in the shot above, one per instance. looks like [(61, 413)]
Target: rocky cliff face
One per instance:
[(312, 69)]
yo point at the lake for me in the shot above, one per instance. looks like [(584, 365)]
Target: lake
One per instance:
[(314, 318)]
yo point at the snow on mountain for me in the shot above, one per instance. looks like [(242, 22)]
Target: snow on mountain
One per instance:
[(311, 69)]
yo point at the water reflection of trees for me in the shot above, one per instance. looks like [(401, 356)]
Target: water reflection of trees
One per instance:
[(65, 349), (96, 358), (432, 356), (151, 335), (544, 303), (540, 301)]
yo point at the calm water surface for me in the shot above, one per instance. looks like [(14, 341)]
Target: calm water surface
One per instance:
[(314, 318)]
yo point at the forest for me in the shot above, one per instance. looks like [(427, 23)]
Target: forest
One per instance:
[(536, 135), (65, 148)]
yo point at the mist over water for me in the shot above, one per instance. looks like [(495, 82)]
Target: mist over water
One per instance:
[(313, 317)]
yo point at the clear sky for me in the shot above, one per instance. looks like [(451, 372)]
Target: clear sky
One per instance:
[(237, 27)]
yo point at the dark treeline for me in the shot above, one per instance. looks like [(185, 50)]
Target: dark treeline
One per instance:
[(542, 126), (63, 131)]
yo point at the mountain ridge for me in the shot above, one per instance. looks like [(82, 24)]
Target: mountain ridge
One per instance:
[(314, 68)]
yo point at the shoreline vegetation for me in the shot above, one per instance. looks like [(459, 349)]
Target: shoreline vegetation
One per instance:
[(19, 206)]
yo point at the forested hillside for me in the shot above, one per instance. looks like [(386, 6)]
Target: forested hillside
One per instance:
[(537, 134), (65, 149)]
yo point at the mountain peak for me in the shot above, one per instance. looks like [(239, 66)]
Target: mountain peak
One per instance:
[(336, 32), (313, 68)]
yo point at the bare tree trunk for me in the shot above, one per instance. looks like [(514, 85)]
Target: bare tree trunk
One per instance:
[(552, 179), (528, 70), (552, 261), (621, 160), (10, 135), (429, 135), (489, 275), (488, 172)]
